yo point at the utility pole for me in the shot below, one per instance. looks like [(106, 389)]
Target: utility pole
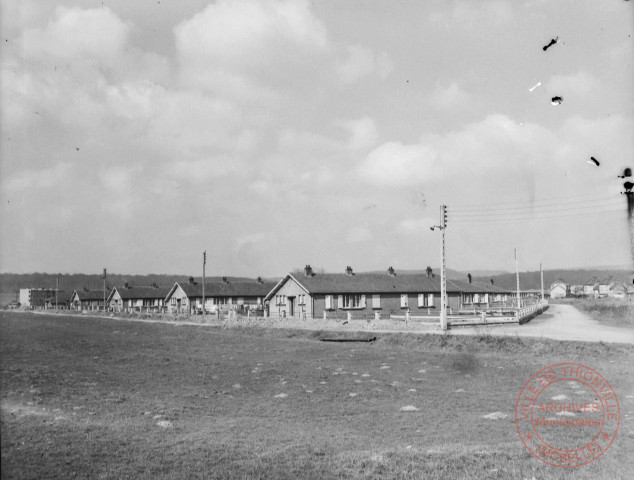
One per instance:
[(443, 277), (517, 275), (56, 289), (541, 273), (204, 263), (104, 289)]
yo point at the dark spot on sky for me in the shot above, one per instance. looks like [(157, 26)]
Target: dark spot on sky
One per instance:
[(552, 42), (594, 161), (626, 173), (77, 148), (556, 100)]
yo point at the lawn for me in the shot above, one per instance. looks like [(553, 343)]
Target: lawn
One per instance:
[(100, 398)]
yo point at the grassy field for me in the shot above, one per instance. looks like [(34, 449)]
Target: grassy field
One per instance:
[(107, 399), (616, 313)]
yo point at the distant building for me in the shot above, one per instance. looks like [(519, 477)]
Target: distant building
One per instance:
[(35, 297), (87, 299), (225, 295), (133, 298), (559, 289), (61, 301)]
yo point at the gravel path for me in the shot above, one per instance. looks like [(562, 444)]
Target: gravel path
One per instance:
[(559, 322)]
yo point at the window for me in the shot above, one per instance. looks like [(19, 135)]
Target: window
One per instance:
[(376, 300), (467, 298), (300, 299), (329, 303), (404, 300), (353, 301), (240, 301), (425, 300), (173, 301)]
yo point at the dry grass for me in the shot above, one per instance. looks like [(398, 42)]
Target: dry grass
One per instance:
[(84, 398), (617, 313)]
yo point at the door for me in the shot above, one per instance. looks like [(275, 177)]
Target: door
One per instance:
[(291, 306)]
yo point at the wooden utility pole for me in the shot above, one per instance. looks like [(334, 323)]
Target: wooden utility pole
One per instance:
[(56, 289), (541, 274), (104, 289), (443, 277), (517, 275), (204, 263)]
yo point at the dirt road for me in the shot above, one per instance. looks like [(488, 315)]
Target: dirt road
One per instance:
[(559, 322)]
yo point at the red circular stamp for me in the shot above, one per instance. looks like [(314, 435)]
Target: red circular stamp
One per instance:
[(567, 415)]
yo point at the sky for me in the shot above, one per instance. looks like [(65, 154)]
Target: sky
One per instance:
[(275, 134)]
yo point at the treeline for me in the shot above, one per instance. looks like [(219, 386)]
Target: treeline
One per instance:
[(12, 282), (531, 280)]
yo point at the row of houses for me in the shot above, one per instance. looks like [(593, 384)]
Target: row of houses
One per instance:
[(301, 294), (593, 288)]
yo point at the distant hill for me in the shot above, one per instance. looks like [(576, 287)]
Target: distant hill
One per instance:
[(531, 280), (12, 282)]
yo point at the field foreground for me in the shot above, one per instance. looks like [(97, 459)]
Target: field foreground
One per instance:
[(98, 398)]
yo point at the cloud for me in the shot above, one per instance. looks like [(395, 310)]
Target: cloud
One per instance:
[(449, 97), (237, 46), (493, 145), (360, 62), (579, 84), (76, 33), (472, 15), (363, 132)]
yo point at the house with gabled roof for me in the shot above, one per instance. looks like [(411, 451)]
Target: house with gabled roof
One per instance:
[(559, 289), (137, 298), (224, 295), (87, 299), (364, 295)]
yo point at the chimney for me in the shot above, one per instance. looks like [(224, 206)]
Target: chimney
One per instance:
[(126, 285), (429, 272), (154, 285), (308, 271), (349, 270), (469, 277), (492, 282), (86, 289), (391, 272), (224, 280), (259, 280), (191, 281)]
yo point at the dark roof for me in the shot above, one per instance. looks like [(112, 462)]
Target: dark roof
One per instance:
[(139, 292), (237, 289), (62, 297), (90, 294), (329, 283)]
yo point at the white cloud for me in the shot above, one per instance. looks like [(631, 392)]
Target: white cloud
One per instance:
[(579, 84), (449, 97), (361, 62), (491, 147), (41, 179), (363, 132), (77, 33)]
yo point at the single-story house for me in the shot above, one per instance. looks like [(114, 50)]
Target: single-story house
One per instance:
[(137, 298), (87, 299), (559, 289), (363, 295), (225, 295), (618, 289), (61, 301)]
